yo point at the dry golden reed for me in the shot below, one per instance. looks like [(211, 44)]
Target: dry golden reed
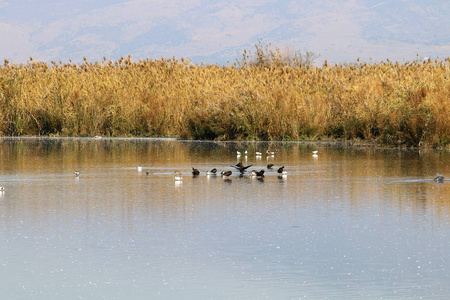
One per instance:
[(389, 103)]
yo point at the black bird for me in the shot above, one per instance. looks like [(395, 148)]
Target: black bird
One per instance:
[(269, 166), (257, 173), (440, 178), (260, 173), (241, 167), (212, 172), (226, 173), (195, 172), (281, 170)]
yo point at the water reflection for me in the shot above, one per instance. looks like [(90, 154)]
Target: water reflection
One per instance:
[(343, 223)]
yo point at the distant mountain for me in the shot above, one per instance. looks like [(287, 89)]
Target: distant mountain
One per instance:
[(217, 31)]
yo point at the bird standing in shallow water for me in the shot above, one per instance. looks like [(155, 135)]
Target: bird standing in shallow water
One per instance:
[(2, 189), (226, 173), (177, 176), (281, 170), (212, 172), (439, 178), (77, 173), (195, 172), (260, 173), (241, 167)]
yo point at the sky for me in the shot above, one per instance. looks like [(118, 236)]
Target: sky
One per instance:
[(339, 31)]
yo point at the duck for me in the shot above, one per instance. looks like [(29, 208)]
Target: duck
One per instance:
[(2, 189), (281, 170), (195, 172), (269, 166), (258, 153), (271, 152), (139, 168), (255, 173), (212, 172), (315, 152), (147, 173), (177, 176), (226, 173), (439, 178), (238, 153), (77, 173), (260, 173)]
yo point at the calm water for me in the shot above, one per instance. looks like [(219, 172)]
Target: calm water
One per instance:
[(345, 224)]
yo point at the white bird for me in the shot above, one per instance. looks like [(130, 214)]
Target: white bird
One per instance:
[(315, 151), (2, 189), (177, 176), (258, 153), (271, 152), (238, 153), (77, 173), (139, 168)]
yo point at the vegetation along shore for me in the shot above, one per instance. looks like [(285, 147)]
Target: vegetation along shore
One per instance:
[(268, 98)]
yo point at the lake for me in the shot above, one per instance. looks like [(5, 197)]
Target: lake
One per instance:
[(347, 223)]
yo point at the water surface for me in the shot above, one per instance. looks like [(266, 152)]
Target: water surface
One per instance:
[(345, 224)]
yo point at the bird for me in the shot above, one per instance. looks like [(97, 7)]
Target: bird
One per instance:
[(241, 167), (254, 173), (238, 153), (2, 189), (77, 173), (271, 152), (258, 153), (147, 173), (226, 173), (195, 172), (281, 170), (315, 152), (260, 173), (439, 178), (269, 166), (139, 168), (212, 172), (177, 176)]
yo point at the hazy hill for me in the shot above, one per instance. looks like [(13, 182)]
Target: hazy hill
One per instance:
[(215, 31)]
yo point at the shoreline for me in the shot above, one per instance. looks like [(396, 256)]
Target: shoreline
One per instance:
[(322, 143)]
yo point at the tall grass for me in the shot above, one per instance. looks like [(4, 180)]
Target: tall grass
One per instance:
[(389, 103)]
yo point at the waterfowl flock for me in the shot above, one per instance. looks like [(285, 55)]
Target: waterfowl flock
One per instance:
[(242, 169)]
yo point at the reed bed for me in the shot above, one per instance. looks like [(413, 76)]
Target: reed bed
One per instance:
[(389, 103)]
